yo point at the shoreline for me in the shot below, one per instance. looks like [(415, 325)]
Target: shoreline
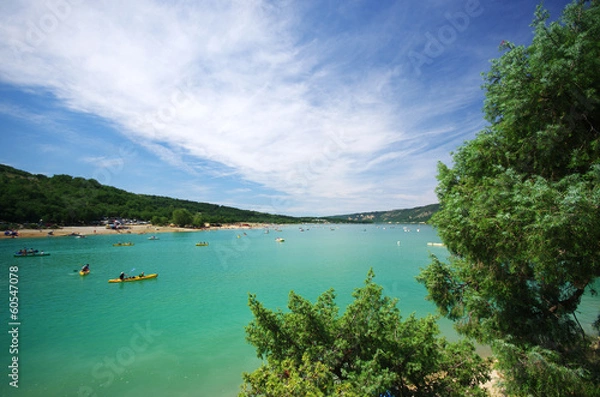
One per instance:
[(130, 229)]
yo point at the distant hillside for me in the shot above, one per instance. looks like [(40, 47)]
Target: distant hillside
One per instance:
[(67, 200), (418, 214)]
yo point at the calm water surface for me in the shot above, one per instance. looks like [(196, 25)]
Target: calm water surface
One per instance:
[(182, 334)]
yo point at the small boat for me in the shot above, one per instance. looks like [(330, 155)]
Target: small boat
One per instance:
[(280, 239), (202, 244), (133, 278), (28, 254), (129, 244), (153, 238), (84, 272), (436, 244)]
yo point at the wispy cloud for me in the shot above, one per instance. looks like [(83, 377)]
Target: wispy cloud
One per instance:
[(105, 162), (266, 92)]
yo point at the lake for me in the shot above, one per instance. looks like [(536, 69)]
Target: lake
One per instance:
[(182, 334)]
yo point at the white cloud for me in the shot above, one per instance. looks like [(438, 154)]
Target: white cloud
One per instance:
[(104, 162), (230, 83)]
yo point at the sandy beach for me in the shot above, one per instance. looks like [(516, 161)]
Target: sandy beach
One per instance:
[(131, 229)]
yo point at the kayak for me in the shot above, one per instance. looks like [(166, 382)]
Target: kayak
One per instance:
[(133, 278), (19, 255), (129, 244), (84, 272)]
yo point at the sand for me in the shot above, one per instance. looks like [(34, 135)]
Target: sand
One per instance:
[(131, 229)]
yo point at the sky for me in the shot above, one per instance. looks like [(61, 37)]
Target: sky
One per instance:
[(304, 108)]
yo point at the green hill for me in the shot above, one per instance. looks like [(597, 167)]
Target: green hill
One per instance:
[(67, 200), (413, 215)]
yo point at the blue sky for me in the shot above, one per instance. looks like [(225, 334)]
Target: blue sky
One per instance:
[(289, 107)]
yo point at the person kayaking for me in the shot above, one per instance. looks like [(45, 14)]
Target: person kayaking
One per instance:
[(122, 276), (86, 268)]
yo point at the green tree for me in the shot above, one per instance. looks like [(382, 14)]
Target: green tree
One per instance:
[(367, 351), (159, 220), (198, 220), (520, 209), (182, 217)]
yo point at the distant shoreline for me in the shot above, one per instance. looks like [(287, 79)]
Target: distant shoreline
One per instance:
[(133, 229)]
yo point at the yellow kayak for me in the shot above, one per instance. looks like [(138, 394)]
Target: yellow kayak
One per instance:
[(129, 244), (133, 278), (84, 273)]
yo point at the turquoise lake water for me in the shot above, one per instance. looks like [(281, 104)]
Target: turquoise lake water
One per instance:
[(182, 334)]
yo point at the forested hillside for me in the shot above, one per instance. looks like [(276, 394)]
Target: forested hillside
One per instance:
[(68, 200), (417, 214)]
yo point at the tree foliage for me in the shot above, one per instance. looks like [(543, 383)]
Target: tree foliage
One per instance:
[(68, 200), (182, 217), (368, 351), (520, 208)]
